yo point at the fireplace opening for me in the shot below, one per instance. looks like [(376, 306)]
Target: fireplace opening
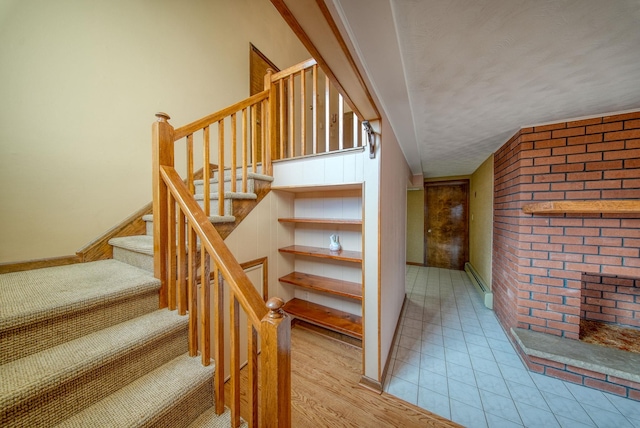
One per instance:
[(610, 311)]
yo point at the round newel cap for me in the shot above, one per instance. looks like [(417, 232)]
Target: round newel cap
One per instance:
[(275, 305), (162, 117)]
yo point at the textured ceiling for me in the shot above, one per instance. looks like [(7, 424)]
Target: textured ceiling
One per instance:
[(457, 78)]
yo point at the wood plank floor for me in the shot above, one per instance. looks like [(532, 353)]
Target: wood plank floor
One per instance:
[(325, 390)]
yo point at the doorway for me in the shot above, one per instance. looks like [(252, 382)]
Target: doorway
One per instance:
[(446, 224), (258, 65)]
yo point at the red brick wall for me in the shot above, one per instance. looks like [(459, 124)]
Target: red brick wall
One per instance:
[(611, 299), (538, 260)]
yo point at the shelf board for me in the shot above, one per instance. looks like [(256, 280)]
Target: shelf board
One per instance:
[(329, 318), (321, 220), (612, 206), (319, 188), (338, 287), (324, 253)]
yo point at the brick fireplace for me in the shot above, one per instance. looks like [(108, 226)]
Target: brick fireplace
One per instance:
[(541, 262)]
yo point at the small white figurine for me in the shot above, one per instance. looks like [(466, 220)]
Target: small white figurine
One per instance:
[(335, 244)]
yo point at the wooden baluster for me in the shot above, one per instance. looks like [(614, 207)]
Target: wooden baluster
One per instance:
[(252, 375), (273, 130), (244, 150), (266, 124), (193, 292), (234, 343), (303, 113), (254, 138), (275, 333), (218, 329), (190, 177), (171, 254), (327, 115), (233, 152), (314, 108), (205, 306), (221, 167), (340, 122), (182, 263), (291, 118), (263, 135), (282, 117), (163, 155), (206, 171)]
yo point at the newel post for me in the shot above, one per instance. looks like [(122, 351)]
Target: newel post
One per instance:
[(162, 140), (276, 366)]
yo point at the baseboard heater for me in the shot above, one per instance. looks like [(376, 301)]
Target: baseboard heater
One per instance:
[(482, 288)]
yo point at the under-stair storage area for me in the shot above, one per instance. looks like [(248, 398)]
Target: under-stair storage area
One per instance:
[(327, 284)]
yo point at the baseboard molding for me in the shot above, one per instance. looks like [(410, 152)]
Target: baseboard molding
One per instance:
[(371, 384), (482, 288), (393, 342), (38, 264), (414, 264)]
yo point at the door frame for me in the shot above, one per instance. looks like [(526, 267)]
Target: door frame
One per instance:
[(427, 185)]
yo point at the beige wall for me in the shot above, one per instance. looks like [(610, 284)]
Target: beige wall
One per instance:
[(80, 82), (415, 226), (395, 177), (481, 219)]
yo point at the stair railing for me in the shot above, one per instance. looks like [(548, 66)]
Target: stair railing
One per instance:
[(310, 115), (179, 225)]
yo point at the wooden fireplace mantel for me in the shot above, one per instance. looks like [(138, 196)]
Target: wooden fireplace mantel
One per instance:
[(613, 206)]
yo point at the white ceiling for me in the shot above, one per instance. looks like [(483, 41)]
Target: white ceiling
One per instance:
[(457, 78)]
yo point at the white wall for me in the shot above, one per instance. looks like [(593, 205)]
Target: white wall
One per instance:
[(395, 177), (80, 82)]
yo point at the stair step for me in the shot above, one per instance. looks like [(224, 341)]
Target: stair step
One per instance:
[(329, 318), (173, 395), (349, 289), (44, 307), (251, 178), (50, 386), (210, 419), (134, 250)]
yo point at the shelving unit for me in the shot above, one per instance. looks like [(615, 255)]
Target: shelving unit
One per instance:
[(326, 289)]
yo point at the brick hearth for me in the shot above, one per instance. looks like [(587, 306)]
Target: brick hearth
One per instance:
[(539, 260)]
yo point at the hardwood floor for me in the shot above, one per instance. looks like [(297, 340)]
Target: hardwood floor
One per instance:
[(325, 390)]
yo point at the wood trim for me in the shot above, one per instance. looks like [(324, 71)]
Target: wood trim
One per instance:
[(415, 264), (342, 221), (347, 54), (264, 261), (371, 384), (257, 51), (38, 264), (293, 23), (617, 206), (394, 340), (99, 249)]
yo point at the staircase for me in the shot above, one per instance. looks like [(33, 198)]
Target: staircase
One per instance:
[(137, 250), (85, 345)]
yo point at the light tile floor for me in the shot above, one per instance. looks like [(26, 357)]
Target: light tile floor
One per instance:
[(453, 358)]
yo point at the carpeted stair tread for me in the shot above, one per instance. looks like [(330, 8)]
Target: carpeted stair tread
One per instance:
[(212, 219), (209, 419), (148, 401), (227, 195), (227, 177), (71, 360), (35, 295), (139, 243)]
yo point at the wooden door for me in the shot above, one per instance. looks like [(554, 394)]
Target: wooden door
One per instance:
[(446, 225), (258, 65)]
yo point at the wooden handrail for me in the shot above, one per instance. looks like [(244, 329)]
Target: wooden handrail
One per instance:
[(233, 273), (293, 69), (199, 124)]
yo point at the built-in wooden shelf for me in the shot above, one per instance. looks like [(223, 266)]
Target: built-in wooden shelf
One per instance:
[(617, 206), (329, 318), (321, 220), (352, 290), (324, 253)]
